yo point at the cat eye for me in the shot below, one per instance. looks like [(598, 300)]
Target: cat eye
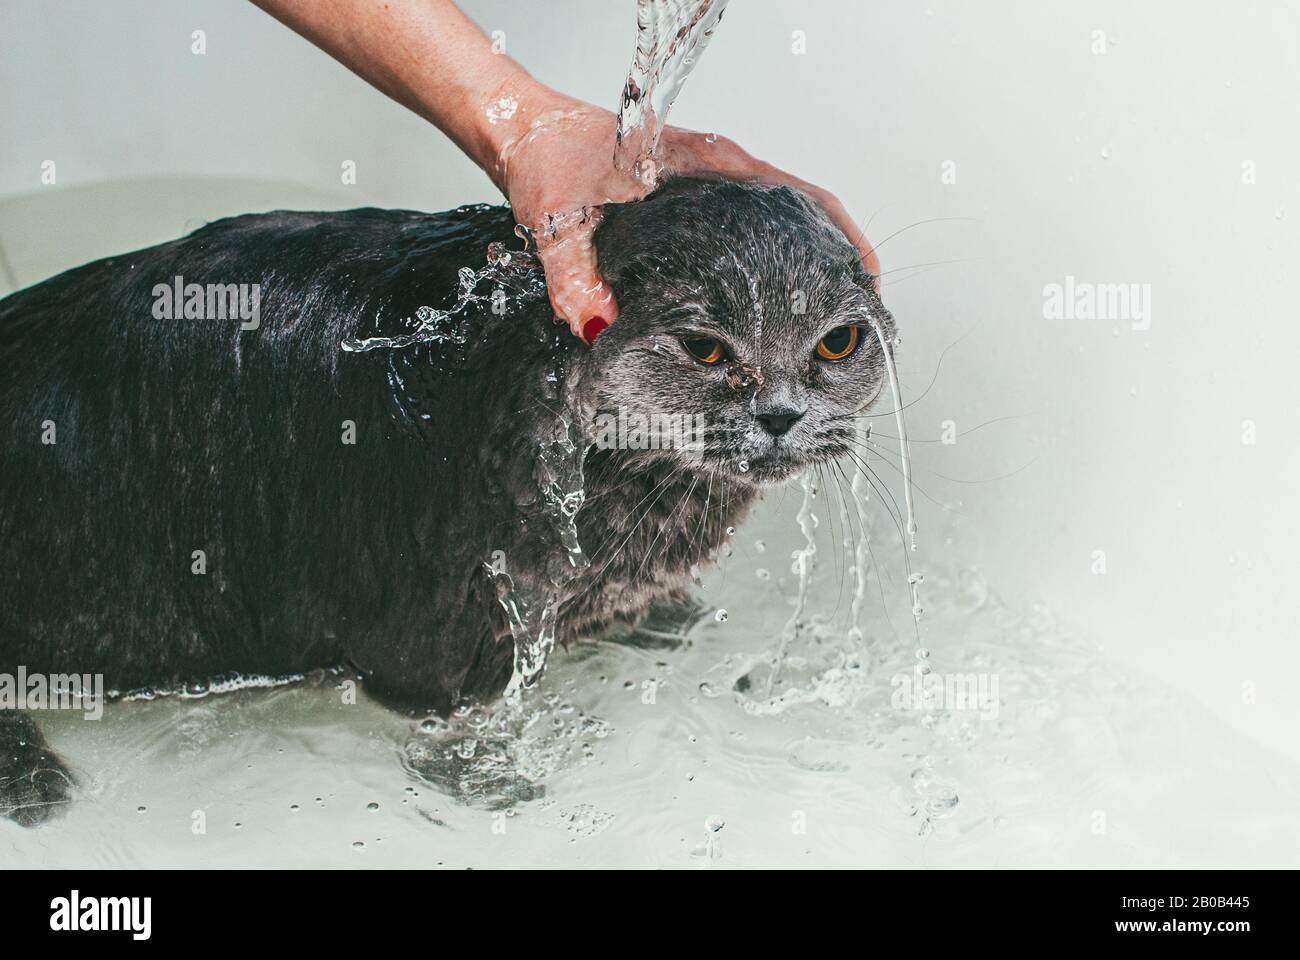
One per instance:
[(704, 349), (839, 343)]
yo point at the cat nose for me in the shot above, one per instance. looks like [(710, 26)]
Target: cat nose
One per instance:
[(778, 422)]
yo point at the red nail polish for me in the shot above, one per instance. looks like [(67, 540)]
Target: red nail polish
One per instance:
[(592, 328)]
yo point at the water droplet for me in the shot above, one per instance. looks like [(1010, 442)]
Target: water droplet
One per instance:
[(714, 824), (731, 531), (762, 574), (372, 806), (743, 466), (711, 138), (141, 809), (1105, 153), (720, 616)]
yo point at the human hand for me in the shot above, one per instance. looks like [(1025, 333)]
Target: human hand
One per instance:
[(559, 171), (551, 155)]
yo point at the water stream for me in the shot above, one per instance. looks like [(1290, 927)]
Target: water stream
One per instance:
[(671, 35)]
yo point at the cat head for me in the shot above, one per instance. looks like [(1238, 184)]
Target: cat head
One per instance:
[(746, 343)]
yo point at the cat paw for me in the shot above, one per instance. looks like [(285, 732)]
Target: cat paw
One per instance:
[(34, 783)]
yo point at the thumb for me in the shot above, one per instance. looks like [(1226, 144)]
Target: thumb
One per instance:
[(855, 234), (578, 295)]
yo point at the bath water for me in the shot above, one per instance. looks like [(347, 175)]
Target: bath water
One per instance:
[(631, 753)]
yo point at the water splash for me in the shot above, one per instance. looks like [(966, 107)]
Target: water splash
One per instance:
[(904, 451), (670, 37), (529, 577), (711, 849), (836, 680), (497, 756), (802, 566), (510, 279), (531, 598), (859, 491)]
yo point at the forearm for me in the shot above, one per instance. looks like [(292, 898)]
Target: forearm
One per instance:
[(431, 58)]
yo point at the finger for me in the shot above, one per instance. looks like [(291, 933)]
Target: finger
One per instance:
[(837, 212), (723, 157), (840, 217), (578, 295)]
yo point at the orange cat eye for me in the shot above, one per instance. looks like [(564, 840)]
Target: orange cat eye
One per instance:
[(704, 349), (839, 343)]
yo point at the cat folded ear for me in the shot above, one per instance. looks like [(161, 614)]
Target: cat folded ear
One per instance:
[(666, 224)]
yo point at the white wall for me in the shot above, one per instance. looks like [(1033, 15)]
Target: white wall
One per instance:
[(1122, 167)]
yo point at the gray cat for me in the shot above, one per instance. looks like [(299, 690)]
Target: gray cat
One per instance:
[(187, 496)]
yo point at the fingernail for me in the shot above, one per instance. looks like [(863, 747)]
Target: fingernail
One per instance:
[(592, 328)]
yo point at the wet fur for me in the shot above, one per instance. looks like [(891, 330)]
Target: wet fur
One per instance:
[(183, 435)]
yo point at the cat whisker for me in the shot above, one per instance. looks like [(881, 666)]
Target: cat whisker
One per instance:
[(884, 453), (937, 367), (885, 456), (685, 498), (919, 223), (819, 469), (660, 488), (882, 490), (875, 566), (964, 433), (932, 263)]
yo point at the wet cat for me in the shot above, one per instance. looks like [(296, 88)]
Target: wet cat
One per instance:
[(210, 494)]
